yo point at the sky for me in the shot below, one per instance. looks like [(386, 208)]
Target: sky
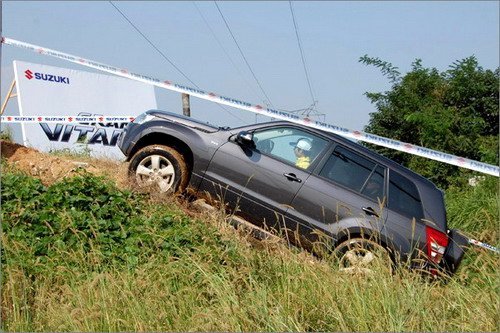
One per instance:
[(194, 37)]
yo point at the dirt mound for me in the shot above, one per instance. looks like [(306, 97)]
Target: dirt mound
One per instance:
[(50, 168)]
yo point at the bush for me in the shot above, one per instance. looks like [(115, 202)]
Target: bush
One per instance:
[(85, 217)]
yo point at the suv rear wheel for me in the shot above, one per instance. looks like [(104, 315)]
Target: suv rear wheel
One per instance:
[(363, 256), (159, 166)]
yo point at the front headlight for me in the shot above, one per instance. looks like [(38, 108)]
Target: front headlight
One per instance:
[(142, 118)]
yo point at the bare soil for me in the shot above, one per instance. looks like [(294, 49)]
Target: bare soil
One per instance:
[(51, 168)]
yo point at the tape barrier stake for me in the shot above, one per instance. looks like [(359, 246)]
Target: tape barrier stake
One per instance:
[(356, 135)]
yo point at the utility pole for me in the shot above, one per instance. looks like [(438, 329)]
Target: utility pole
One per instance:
[(186, 107)]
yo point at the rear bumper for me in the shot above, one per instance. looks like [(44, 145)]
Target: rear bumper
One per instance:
[(455, 251)]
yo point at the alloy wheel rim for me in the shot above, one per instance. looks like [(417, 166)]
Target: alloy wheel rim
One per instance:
[(360, 260), (156, 169)]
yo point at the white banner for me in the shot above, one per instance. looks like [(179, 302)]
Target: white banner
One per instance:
[(48, 92)]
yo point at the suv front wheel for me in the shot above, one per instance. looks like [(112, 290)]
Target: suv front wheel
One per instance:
[(160, 166)]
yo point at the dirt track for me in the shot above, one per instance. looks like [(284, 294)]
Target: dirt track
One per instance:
[(50, 168)]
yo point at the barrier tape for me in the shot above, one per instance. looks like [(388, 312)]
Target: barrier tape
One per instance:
[(67, 119), (483, 245), (210, 96)]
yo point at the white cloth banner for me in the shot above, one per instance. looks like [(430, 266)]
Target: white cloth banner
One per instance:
[(51, 91)]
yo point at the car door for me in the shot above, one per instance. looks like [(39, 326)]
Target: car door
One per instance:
[(405, 213), (347, 191), (260, 179)]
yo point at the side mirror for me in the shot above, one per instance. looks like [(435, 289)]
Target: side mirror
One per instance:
[(245, 138)]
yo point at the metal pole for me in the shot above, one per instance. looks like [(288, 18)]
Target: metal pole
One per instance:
[(186, 107)]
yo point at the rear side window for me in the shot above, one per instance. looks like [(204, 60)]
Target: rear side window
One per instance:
[(356, 172), (404, 197)]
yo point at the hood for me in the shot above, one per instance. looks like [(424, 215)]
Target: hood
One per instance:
[(184, 120)]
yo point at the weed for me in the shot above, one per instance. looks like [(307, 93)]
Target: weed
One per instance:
[(83, 152), (82, 255), (6, 135)]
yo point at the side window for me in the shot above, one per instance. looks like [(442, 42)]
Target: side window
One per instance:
[(289, 144), (404, 197), (356, 172)]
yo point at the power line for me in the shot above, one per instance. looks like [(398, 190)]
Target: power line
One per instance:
[(306, 112), (302, 54), (166, 58), (223, 49), (153, 45), (242, 54)]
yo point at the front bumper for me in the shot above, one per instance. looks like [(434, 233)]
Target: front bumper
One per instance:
[(125, 142)]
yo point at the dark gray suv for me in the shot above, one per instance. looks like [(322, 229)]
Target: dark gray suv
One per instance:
[(310, 186)]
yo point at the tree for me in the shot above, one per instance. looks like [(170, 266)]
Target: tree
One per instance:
[(455, 111)]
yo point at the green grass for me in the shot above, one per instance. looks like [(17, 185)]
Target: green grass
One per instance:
[(6, 135), (82, 255), (83, 151), (475, 209)]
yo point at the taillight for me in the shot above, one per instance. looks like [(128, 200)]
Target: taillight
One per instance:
[(436, 244)]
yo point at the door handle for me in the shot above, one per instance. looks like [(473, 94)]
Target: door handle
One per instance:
[(292, 177), (369, 211)]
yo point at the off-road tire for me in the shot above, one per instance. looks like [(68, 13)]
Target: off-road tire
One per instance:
[(170, 175), (363, 255)]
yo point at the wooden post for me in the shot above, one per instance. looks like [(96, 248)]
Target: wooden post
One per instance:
[(9, 96), (186, 107)]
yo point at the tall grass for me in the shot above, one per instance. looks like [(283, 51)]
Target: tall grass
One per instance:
[(184, 274), (475, 209)]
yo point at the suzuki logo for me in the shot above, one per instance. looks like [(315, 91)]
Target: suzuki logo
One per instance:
[(28, 74), (46, 77)]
